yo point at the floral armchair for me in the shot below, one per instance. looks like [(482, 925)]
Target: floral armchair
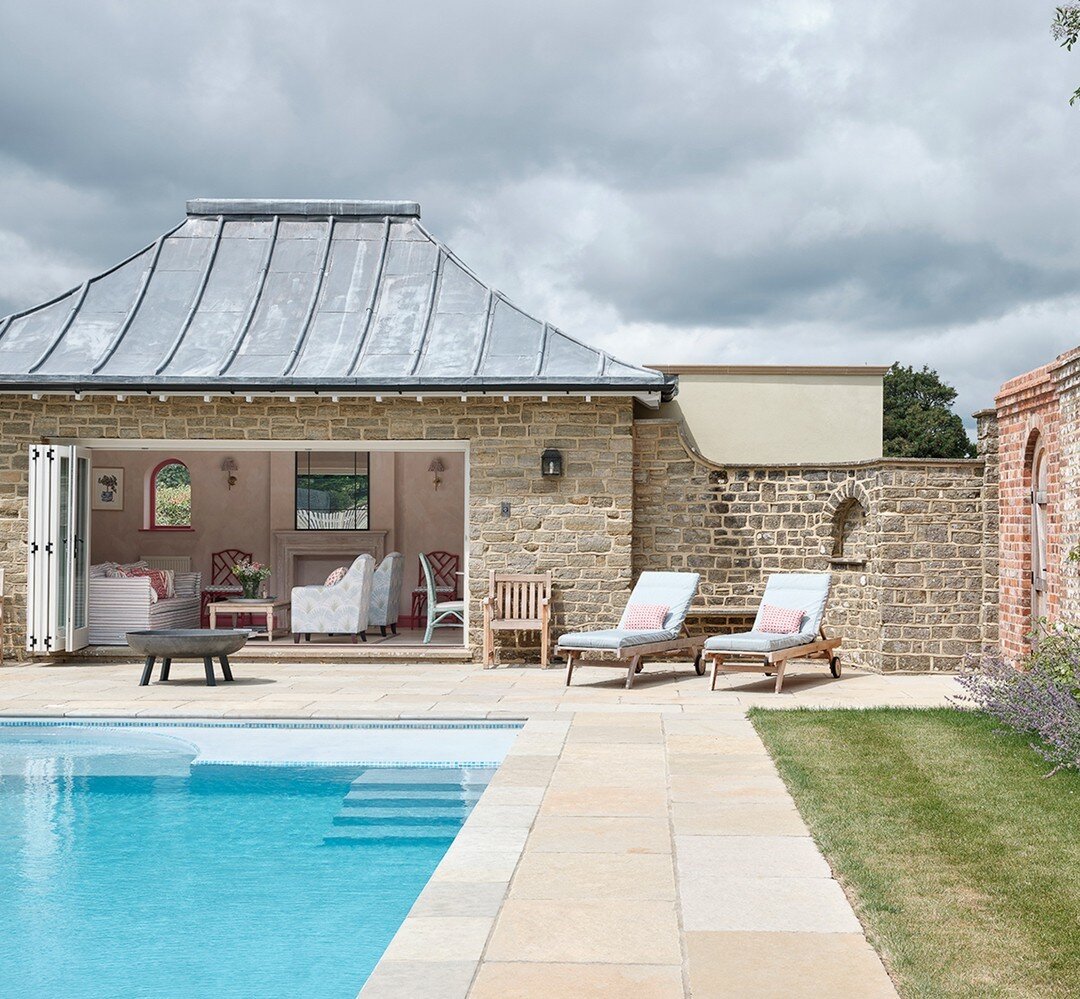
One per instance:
[(386, 593), (341, 609)]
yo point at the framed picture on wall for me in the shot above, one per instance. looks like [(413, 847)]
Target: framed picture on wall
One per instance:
[(108, 489)]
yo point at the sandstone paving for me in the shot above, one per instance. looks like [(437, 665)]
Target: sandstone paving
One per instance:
[(636, 843), (543, 980), (785, 966)]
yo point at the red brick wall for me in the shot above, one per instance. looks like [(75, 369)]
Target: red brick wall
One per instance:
[(1028, 411)]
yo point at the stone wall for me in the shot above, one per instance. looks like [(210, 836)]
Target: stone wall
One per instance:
[(910, 585), (578, 526)]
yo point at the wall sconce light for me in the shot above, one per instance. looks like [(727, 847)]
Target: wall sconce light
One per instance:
[(435, 467), (230, 467), (551, 464)]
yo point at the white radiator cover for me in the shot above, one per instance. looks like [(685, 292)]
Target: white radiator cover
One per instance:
[(178, 563)]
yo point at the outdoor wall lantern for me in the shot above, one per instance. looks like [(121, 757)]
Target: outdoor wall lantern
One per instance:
[(551, 464), (230, 468), (435, 467)]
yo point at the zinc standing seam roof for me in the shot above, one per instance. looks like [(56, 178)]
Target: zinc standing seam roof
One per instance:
[(315, 295)]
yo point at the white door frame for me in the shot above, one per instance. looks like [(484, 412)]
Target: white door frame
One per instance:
[(58, 549), (209, 444)]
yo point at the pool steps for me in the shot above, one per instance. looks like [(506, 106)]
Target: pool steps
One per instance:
[(406, 804)]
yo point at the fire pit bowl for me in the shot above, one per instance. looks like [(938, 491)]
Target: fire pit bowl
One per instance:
[(187, 643)]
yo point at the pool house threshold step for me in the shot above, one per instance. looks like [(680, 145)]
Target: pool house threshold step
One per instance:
[(287, 651)]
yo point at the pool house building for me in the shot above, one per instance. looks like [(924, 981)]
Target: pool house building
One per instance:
[(267, 358)]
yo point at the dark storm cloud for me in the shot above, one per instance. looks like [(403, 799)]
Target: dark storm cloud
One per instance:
[(845, 181)]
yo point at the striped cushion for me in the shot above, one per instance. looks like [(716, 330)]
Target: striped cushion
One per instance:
[(645, 617), (780, 620)]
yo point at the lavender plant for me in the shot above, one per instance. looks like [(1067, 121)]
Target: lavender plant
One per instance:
[(1040, 699)]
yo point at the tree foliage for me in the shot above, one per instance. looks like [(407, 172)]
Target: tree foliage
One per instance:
[(1066, 30), (919, 419)]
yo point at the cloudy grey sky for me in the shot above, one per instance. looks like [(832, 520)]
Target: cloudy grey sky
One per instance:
[(842, 181)]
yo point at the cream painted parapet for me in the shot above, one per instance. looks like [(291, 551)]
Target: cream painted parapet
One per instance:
[(775, 414)]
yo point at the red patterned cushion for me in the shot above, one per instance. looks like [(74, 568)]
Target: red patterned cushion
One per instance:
[(336, 576), (159, 581), (780, 620), (645, 617)]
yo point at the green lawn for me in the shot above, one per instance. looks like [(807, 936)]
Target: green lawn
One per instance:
[(962, 861)]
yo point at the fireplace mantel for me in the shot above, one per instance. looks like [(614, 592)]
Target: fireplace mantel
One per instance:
[(291, 545)]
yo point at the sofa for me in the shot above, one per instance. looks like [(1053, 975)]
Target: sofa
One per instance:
[(119, 605)]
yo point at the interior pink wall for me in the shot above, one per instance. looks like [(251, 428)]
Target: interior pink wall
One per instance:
[(428, 519), (220, 517), (404, 503)]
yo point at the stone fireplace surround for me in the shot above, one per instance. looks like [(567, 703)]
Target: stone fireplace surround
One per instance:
[(291, 546)]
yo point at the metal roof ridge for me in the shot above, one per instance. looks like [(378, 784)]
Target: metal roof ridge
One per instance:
[(348, 208)]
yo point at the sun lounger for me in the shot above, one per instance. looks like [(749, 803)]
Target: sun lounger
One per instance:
[(750, 651), (674, 590)]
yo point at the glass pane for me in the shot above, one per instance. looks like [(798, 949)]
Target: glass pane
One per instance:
[(172, 496), (332, 491), (63, 542), (81, 539)]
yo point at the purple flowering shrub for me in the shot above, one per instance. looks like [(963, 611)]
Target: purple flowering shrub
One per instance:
[(1041, 698)]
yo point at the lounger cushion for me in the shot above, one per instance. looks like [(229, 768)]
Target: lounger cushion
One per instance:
[(755, 641), (807, 591), (614, 639), (674, 589)]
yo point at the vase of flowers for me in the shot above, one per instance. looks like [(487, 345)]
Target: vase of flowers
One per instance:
[(251, 575)]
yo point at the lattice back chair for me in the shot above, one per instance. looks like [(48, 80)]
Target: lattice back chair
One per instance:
[(440, 613), (444, 569), (222, 581)]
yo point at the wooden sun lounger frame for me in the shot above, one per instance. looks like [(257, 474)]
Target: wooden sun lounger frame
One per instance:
[(634, 662), (820, 648)]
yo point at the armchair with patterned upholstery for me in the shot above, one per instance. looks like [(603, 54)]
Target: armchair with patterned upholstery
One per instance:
[(386, 593), (341, 609)]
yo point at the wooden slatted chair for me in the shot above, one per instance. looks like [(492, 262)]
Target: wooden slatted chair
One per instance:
[(517, 602)]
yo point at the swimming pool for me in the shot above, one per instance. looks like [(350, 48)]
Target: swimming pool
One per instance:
[(160, 860)]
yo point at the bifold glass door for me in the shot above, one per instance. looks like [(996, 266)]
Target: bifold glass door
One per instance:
[(58, 550)]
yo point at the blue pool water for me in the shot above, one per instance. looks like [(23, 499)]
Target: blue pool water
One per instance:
[(125, 870)]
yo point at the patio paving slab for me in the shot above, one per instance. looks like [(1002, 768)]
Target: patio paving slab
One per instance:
[(594, 876), (745, 818), (518, 980), (721, 857), (778, 905), (440, 938), (585, 834), (612, 801), (785, 966), (613, 931), (393, 979)]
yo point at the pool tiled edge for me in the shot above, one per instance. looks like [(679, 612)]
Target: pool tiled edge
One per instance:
[(439, 947)]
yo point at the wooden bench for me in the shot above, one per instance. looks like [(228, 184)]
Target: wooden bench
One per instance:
[(517, 602)]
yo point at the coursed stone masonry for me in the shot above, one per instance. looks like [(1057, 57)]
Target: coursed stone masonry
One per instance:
[(577, 526), (633, 497), (920, 546)]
